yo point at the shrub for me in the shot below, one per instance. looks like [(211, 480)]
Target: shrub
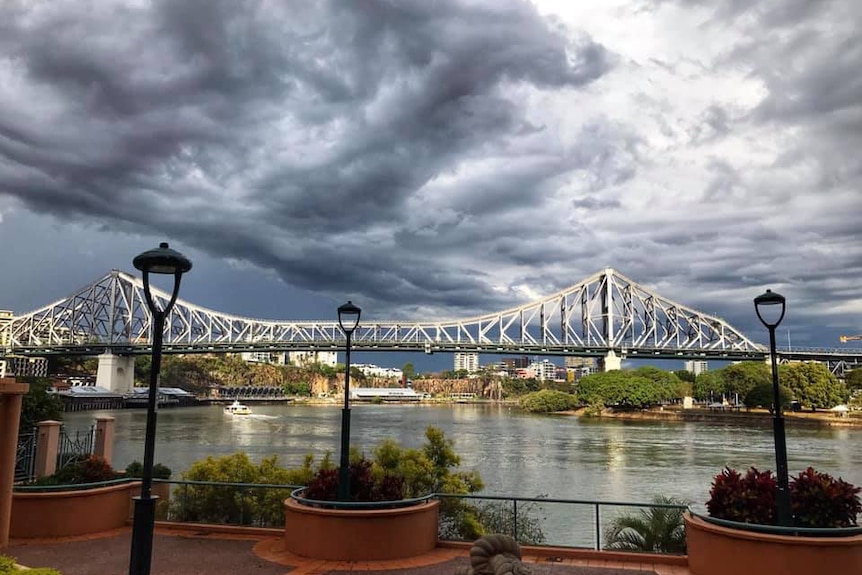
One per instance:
[(747, 499), (653, 530), (819, 500), (7, 567), (364, 484), (136, 469), (85, 469), (548, 401)]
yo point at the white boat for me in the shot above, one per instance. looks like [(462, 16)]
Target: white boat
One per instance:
[(236, 408)]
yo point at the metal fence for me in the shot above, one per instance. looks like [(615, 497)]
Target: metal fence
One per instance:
[(25, 457), (72, 447), (531, 521)]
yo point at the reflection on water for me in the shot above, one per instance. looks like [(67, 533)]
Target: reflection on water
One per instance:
[(516, 453)]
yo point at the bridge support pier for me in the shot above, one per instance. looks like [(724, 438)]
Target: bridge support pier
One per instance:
[(610, 361), (116, 372)]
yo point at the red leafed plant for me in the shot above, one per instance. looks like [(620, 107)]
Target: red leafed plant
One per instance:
[(748, 498), (365, 486), (819, 500)]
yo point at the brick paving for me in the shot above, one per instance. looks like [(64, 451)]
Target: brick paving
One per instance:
[(202, 552)]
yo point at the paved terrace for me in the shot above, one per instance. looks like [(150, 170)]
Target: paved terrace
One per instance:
[(200, 551)]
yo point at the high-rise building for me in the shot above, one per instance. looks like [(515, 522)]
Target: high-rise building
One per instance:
[(574, 362), (543, 370), (468, 362), (5, 319), (697, 366)]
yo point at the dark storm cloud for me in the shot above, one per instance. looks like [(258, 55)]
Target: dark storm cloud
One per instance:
[(289, 135)]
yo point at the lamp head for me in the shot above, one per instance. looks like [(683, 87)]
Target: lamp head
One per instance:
[(348, 317), (770, 299), (162, 260)]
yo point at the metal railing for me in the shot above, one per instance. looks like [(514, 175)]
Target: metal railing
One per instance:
[(25, 457), (530, 520), (71, 448)]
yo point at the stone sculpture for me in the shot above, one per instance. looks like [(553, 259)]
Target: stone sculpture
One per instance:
[(495, 555)]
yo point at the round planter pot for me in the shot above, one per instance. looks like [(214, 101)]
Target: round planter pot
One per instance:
[(360, 534), (45, 514), (719, 550)]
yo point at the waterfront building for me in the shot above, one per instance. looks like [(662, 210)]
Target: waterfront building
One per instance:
[(697, 367), (371, 370), (302, 358), (26, 366), (468, 362)]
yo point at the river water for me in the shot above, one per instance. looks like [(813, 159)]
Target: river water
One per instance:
[(517, 454)]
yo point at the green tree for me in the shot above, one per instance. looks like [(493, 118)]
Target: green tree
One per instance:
[(409, 370), (685, 375), (812, 384), (853, 380), (548, 401), (668, 385), (38, 404), (740, 378), (654, 529), (762, 396), (709, 386), (619, 388)]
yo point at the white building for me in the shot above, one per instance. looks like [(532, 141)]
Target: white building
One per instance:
[(371, 370), (300, 358), (263, 357), (544, 370), (697, 367), (468, 362)]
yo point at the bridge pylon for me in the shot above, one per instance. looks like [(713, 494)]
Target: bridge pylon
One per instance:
[(116, 372)]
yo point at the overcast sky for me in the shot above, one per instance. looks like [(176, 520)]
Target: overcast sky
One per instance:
[(438, 158)]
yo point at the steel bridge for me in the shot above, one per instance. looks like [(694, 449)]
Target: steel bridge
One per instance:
[(606, 314)]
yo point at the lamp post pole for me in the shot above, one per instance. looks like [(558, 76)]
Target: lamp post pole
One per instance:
[(348, 319), (784, 510), (159, 261), (344, 469)]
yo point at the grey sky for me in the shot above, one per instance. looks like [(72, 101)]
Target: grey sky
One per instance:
[(437, 158)]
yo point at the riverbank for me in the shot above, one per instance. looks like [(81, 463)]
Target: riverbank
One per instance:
[(756, 418)]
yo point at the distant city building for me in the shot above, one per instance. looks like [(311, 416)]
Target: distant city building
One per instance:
[(543, 370), (371, 370), (697, 367), (5, 319), (300, 358), (468, 362), (511, 364), (576, 362), (263, 357)]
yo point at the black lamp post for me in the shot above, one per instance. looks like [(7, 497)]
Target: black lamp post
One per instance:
[(162, 260), (348, 319), (777, 302)]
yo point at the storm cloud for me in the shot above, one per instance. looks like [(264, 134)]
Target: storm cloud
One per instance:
[(449, 157)]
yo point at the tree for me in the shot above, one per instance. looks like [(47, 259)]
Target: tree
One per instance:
[(813, 385), (39, 404), (409, 370), (548, 401), (619, 388), (740, 378), (709, 386), (853, 380), (685, 375), (654, 530), (668, 385), (762, 396)]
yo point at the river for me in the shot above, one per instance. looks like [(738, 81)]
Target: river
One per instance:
[(516, 453)]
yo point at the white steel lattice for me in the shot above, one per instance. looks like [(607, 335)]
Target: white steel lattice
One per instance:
[(605, 311)]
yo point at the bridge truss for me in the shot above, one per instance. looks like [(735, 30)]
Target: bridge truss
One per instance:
[(605, 312)]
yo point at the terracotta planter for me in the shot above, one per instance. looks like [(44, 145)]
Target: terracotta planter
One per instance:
[(718, 550), (360, 535), (71, 513)]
